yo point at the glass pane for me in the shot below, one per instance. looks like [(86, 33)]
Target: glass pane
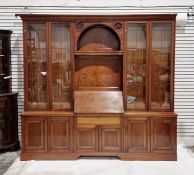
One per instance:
[(37, 80), (61, 78), (3, 63), (136, 66), (2, 57), (160, 66)]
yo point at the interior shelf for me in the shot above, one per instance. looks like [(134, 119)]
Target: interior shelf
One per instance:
[(136, 84), (99, 53)]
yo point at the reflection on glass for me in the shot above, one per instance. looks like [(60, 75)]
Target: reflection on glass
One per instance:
[(37, 79), (3, 71), (1, 64), (60, 66), (160, 66), (136, 66)]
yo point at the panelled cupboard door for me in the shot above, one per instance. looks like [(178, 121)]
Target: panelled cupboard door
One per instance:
[(35, 135), (4, 121), (137, 134), (8, 120), (163, 137), (110, 140), (87, 138), (59, 134)]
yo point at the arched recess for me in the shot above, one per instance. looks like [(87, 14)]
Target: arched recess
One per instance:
[(98, 37)]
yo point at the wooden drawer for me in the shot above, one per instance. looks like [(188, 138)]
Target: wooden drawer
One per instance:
[(98, 121)]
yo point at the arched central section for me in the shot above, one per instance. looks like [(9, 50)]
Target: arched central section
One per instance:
[(98, 59), (98, 37)]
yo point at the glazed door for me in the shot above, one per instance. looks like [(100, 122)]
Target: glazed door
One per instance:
[(137, 134), (136, 66), (60, 66), (36, 68), (4, 63), (161, 60), (60, 134)]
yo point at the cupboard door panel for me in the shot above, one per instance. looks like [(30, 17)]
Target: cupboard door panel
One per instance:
[(163, 134), (137, 134), (110, 138), (59, 134), (4, 121), (8, 121), (87, 138), (35, 135)]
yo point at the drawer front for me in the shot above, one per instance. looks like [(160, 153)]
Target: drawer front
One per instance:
[(98, 121)]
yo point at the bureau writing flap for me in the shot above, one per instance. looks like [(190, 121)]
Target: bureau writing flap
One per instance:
[(98, 102)]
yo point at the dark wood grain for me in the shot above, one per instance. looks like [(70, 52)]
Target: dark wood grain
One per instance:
[(8, 121), (5, 56)]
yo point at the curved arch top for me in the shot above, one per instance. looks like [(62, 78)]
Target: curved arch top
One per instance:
[(98, 37)]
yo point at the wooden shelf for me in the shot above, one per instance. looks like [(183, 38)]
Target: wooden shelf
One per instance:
[(99, 53), (136, 84)]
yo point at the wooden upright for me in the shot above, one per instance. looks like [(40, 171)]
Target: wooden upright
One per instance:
[(99, 85)]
